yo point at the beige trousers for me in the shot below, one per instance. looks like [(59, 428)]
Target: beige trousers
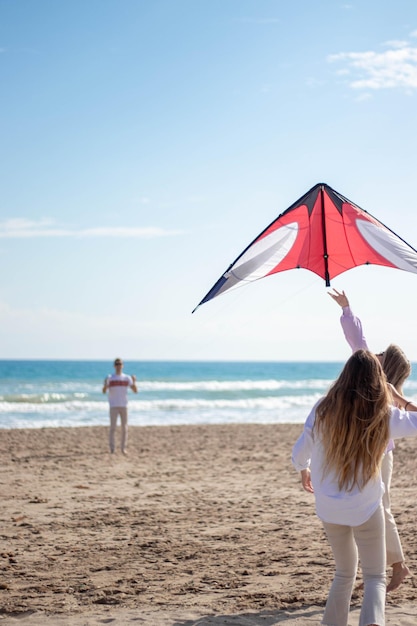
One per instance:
[(115, 411), (348, 542), (394, 550)]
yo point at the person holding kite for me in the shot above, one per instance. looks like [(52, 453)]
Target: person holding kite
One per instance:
[(340, 452), (397, 369)]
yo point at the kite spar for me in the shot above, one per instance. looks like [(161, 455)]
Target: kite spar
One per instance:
[(323, 232)]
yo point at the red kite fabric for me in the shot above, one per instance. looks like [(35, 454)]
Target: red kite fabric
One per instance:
[(323, 232)]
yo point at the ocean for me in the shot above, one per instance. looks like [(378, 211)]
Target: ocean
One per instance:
[(38, 394)]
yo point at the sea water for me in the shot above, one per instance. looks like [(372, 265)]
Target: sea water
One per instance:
[(37, 394)]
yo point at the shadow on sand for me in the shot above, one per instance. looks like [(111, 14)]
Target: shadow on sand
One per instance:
[(261, 618)]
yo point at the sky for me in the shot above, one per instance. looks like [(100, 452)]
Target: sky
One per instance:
[(145, 143)]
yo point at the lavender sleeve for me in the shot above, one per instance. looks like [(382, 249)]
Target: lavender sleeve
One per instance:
[(352, 328)]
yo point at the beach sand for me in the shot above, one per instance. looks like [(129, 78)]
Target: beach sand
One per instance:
[(202, 525)]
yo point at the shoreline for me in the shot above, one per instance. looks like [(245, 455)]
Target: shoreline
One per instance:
[(104, 426), (203, 522)]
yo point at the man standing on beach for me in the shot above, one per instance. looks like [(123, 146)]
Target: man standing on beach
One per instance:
[(117, 384)]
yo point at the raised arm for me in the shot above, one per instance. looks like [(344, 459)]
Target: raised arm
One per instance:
[(133, 386), (351, 325)]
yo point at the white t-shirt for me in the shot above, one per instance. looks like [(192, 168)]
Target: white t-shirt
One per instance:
[(350, 508), (118, 385)]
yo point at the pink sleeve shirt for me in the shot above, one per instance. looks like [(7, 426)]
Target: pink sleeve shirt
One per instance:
[(352, 328)]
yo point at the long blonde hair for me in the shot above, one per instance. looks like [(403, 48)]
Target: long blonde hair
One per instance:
[(396, 366), (352, 421)]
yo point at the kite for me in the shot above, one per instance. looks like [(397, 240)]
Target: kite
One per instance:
[(323, 232)]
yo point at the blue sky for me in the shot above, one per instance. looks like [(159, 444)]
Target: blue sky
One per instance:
[(146, 143)]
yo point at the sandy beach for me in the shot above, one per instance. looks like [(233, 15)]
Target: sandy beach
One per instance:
[(197, 525)]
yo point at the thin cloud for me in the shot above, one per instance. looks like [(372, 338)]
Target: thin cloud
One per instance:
[(21, 228), (363, 97), (24, 228), (392, 69), (141, 233), (396, 43), (259, 20)]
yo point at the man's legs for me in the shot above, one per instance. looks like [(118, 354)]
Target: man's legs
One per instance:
[(123, 419), (114, 412)]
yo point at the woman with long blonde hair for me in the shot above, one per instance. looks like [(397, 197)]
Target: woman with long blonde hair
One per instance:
[(339, 454)]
